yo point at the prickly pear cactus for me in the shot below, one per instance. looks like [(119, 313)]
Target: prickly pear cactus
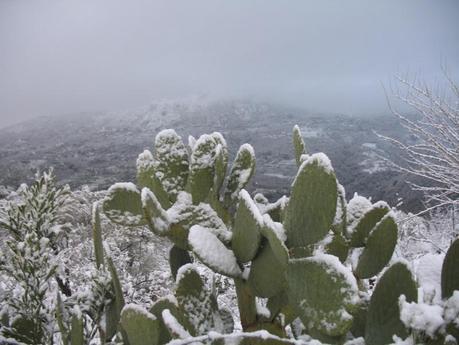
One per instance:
[(296, 252)]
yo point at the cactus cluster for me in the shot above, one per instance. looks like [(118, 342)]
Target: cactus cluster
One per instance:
[(309, 255)]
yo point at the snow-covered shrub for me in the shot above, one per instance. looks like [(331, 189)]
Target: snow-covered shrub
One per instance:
[(28, 265)]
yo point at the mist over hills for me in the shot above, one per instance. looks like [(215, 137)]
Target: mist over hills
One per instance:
[(98, 149)]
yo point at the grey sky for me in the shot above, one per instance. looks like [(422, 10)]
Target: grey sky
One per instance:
[(61, 56)]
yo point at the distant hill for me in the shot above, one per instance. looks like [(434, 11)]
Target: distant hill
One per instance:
[(98, 149)]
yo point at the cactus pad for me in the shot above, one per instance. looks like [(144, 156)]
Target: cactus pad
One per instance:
[(196, 301), (267, 273), (123, 206), (323, 292), (141, 327), (450, 271), (170, 303), (378, 249), (298, 144), (359, 234), (155, 216), (246, 230), (312, 205), (201, 178), (383, 317), (146, 177), (171, 166), (241, 172), (97, 236), (212, 252)]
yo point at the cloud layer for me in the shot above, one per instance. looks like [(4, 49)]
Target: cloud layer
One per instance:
[(61, 56)]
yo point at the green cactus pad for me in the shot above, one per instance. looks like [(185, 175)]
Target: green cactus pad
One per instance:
[(184, 214), (379, 248), (267, 274), (174, 327), (201, 178), (123, 206), (323, 292), (298, 144), (274, 233), (177, 258), (141, 327), (196, 301), (450, 271), (338, 247), (212, 252), (77, 331), (170, 303), (312, 205), (367, 222), (360, 320), (171, 166), (241, 172), (155, 216), (97, 236), (246, 229), (146, 177), (383, 317)]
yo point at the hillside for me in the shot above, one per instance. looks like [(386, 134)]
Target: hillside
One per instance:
[(100, 149)]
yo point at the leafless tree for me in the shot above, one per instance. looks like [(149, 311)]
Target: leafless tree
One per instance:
[(432, 153)]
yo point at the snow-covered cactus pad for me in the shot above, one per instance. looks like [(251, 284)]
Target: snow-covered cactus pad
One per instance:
[(141, 327), (146, 177), (202, 167), (123, 206), (312, 205), (212, 252), (171, 166), (241, 172), (246, 229), (323, 292), (197, 302)]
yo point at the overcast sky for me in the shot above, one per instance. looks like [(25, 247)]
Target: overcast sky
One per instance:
[(62, 56)]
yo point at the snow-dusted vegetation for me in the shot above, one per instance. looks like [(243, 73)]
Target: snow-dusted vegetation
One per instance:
[(187, 256)]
